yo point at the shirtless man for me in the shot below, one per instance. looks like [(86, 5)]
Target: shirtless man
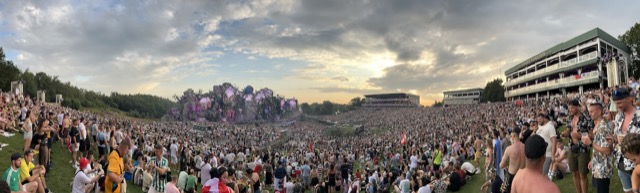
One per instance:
[(478, 148), (514, 157), (530, 179)]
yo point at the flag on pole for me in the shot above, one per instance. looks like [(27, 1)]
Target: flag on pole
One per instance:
[(311, 146), (404, 139)]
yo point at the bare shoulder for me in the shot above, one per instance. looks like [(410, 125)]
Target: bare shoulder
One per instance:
[(551, 187)]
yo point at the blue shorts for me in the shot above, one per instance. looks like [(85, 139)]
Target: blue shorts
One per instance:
[(625, 179)]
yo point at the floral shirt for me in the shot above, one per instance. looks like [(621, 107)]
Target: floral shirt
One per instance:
[(439, 186), (634, 127), (585, 124), (602, 164)]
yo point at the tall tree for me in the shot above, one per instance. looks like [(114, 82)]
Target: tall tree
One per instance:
[(632, 39), (8, 72), (494, 91)]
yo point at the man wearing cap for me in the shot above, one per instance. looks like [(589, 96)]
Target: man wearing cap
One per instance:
[(579, 154), (159, 167), (625, 121), (32, 173), (12, 177), (530, 179), (548, 132), (82, 182)]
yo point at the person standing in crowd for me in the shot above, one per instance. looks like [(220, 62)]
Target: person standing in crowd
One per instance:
[(115, 169), (437, 157), (74, 137), (626, 121), (82, 131), (159, 167), (12, 177), (601, 162), (579, 155), (29, 172), (27, 128), (94, 132), (631, 150), (513, 157), (547, 131), (101, 140), (530, 179), (192, 182)]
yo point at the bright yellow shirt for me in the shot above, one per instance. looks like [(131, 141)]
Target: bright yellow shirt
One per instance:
[(25, 168)]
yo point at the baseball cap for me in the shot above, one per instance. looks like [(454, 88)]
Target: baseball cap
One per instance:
[(620, 93), (535, 147), (83, 163)]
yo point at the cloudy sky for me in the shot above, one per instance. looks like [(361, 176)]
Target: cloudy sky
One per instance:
[(313, 50)]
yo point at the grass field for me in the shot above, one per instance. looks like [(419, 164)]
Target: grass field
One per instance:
[(62, 173)]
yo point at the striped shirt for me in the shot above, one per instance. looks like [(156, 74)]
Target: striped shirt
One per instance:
[(157, 183)]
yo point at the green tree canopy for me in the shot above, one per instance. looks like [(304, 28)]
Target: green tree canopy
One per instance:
[(632, 39), (494, 91), (138, 105)]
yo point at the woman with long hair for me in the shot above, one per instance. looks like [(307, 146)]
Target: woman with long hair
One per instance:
[(27, 128), (43, 156)]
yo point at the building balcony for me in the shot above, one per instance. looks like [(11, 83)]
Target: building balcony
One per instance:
[(585, 78), (583, 60)]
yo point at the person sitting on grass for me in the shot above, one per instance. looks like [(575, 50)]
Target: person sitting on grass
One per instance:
[(12, 177), (631, 149), (82, 182), (32, 173)]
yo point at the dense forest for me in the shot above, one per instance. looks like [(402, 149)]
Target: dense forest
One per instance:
[(136, 105)]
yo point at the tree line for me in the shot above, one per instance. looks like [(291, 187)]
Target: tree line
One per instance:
[(136, 105)]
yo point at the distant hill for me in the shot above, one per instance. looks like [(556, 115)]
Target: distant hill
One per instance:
[(136, 105)]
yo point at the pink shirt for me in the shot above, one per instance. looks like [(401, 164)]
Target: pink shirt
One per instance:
[(171, 188)]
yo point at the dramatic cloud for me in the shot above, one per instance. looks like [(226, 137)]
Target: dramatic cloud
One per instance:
[(303, 48)]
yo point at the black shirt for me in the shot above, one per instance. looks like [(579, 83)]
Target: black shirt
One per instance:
[(74, 134), (344, 171)]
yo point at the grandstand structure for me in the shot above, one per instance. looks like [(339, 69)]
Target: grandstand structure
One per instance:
[(591, 60), (462, 97), (392, 100)]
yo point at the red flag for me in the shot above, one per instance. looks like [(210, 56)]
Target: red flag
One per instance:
[(577, 76), (311, 146), (404, 139)]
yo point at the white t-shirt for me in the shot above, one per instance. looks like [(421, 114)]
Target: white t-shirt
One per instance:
[(547, 131), (83, 131), (425, 189), (414, 161), (466, 166), (204, 172), (174, 150), (60, 118), (79, 181), (289, 186)]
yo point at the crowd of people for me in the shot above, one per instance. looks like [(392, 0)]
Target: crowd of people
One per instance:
[(509, 146)]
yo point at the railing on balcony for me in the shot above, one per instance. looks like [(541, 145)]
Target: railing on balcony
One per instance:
[(563, 64), (556, 82)]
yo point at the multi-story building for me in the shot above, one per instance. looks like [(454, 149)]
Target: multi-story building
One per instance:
[(460, 97), (592, 60), (392, 100)]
